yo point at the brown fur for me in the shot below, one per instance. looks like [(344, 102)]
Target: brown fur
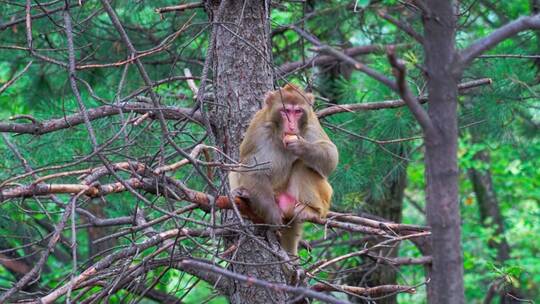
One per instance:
[(300, 170)]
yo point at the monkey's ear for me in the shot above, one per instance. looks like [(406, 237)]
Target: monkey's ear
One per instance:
[(269, 97), (310, 98), (290, 87)]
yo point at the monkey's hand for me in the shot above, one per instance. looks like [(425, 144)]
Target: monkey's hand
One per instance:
[(297, 145)]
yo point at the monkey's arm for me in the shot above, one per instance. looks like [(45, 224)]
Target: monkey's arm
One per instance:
[(320, 155)]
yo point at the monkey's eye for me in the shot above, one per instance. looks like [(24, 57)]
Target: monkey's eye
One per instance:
[(298, 111)]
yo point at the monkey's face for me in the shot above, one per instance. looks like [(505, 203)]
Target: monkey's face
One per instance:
[(292, 117), (289, 109)]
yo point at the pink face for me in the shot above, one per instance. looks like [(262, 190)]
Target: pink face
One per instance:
[(291, 115)]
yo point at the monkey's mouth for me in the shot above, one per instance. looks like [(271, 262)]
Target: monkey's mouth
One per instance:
[(288, 138)]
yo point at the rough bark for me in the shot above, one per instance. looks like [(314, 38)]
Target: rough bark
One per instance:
[(443, 214), (242, 69), (242, 74)]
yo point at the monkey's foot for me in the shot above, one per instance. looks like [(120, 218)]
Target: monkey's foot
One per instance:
[(240, 192)]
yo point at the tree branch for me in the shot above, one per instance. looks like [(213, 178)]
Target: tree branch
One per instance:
[(482, 45), (107, 261), (171, 113), (318, 60), (412, 102), (181, 192), (17, 76), (261, 283), (402, 26), (179, 8), (389, 104), (320, 47), (364, 291)]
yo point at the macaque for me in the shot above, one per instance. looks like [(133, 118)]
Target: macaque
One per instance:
[(286, 138)]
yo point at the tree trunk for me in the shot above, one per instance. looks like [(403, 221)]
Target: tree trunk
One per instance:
[(443, 214), (489, 206), (491, 216), (242, 74)]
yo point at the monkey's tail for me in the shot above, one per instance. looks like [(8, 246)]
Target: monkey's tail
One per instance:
[(290, 237)]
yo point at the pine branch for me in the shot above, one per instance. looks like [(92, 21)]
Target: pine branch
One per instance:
[(390, 104), (482, 45), (39, 128), (412, 101)]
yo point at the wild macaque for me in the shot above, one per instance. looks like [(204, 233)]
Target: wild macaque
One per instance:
[(299, 157)]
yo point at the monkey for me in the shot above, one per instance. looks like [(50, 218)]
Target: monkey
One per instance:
[(287, 136)]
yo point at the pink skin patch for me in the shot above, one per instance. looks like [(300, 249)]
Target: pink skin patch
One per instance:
[(291, 115), (286, 203)]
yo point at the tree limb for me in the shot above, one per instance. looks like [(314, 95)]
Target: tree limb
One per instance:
[(318, 60), (260, 283), (171, 113), (179, 8), (482, 45), (320, 47), (389, 104), (364, 291), (402, 26), (412, 101)]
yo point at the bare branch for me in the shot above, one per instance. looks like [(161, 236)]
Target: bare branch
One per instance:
[(171, 113), (402, 26), (398, 261), (389, 104), (257, 282), (364, 291), (412, 101), (320, 47), (179, 8), (482, 45), (512, 56), (44, 254), (364, 251), (350, 223), (106, 262), (17, 76), (318, 60), (8, 24)]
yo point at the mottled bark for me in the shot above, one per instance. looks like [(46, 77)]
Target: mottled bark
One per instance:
[(242, 69), (242, 74), (443, 214)]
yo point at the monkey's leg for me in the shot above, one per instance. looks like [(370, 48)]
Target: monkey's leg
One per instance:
[(290, 237), (261, 197)]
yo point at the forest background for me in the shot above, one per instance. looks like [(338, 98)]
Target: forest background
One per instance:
[(85, 113)]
